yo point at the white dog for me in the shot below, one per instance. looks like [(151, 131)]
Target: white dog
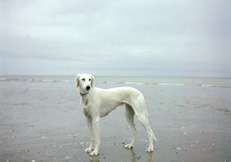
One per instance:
[(97, 103)]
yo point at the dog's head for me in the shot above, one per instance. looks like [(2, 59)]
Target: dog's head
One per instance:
[(84, 82)]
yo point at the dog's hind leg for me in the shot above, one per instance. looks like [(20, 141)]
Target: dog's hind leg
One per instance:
[(129, 112), (143, 119)]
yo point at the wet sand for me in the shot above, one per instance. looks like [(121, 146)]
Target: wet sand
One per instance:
[(43, 121)]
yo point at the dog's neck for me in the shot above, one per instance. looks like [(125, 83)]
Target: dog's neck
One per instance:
[(84, 99)]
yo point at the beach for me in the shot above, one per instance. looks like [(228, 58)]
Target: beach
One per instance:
[(41, 120)]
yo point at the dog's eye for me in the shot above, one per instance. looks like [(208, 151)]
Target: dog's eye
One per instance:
[(89, 79), (83, 79)]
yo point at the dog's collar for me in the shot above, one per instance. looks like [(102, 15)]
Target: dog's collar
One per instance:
[(83, 94)]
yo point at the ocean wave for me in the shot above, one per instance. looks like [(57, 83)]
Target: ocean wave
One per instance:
[(134, 83), (218, 85), (3, 79), (35, 80), (148, 81), (119, 82), (170, 84)]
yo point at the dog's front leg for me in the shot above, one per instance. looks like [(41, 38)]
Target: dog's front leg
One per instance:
[(90, 129), (97, 136)]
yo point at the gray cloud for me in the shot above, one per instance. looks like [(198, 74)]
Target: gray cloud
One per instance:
[(116, 37)]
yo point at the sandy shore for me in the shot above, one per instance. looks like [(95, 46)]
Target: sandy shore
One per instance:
[(43, 121)]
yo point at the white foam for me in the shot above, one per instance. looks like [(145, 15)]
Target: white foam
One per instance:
[(170, 84), (133, 83)]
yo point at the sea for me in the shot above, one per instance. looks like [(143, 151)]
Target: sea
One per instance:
[(155, 81)]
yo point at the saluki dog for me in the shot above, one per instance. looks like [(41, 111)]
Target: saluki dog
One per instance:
[(97, 103)]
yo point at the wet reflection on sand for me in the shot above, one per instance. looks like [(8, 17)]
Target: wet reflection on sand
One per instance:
[(133, 156)]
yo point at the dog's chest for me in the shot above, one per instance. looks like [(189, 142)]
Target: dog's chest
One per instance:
[(86, 107), (88, 111), (85, 103)]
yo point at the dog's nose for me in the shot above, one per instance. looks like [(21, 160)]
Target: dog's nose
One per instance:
[(88, 88)]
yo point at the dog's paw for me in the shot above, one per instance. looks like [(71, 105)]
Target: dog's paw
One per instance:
[(94, 153), (149, 149), (129, 146), (89, 149)]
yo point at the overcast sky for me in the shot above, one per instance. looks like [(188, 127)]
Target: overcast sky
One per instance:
[(122, 37)]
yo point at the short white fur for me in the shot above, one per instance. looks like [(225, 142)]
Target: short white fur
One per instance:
[(97, 103)]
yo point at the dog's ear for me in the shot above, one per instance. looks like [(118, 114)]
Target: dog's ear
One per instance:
[(77, 80), (92, 81)]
